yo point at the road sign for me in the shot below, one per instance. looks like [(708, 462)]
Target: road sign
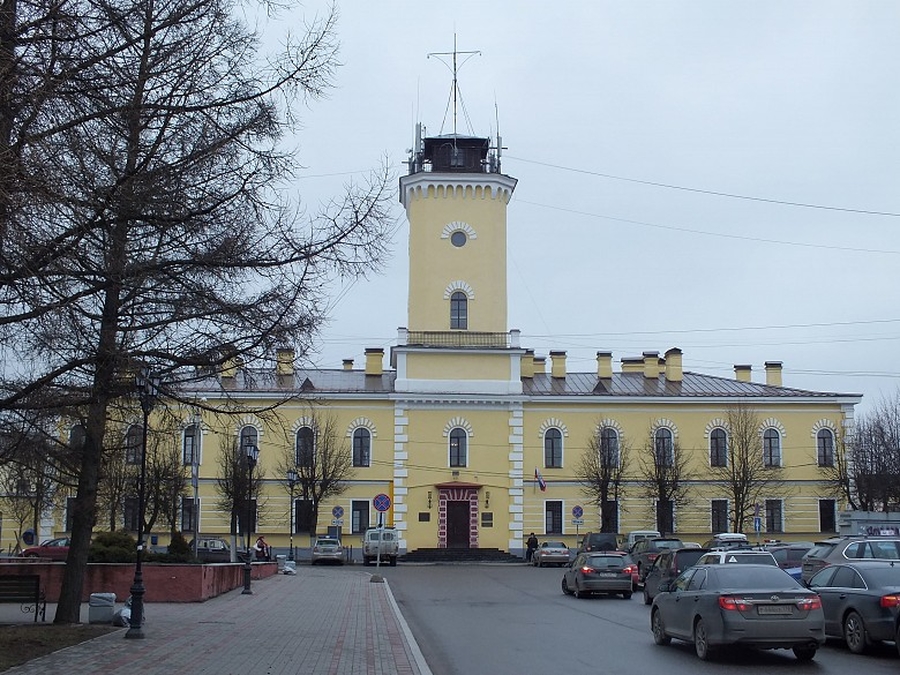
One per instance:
[(757, 524), (337, 521), (578, 521), (338, 512), (381, 502), (577, 512)]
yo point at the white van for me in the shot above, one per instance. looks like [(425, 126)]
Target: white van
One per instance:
[(637, 535)]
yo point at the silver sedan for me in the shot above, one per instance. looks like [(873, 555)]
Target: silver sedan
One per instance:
[(754, 605), (551, 553)]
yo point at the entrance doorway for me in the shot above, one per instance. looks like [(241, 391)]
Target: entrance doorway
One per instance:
[(458, 524)]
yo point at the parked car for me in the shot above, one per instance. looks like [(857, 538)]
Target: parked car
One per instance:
[(644, 551), (551, 553), (212, 550), (790, 556), (751, 605), (861, 601), (727, 540), (327, 549), (743, 556), (667, 566), (380, 544), (52, 549), (598, 541), (637, 535), (846, 549), (589, 573)]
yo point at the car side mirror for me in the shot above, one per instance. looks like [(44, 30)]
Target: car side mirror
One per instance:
[(664, 587)]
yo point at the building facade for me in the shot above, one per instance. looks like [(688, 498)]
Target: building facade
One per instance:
[(478, 441)]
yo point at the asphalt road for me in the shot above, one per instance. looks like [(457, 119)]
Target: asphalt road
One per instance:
[(514, 619)]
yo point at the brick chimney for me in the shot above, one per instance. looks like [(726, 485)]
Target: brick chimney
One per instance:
[(773, 373), (604, 365), (651, 365), (374, 361), (540, 364), (558, 364), (528, 364), (284, 361), (742, 372), (674, 372), (348, 364)]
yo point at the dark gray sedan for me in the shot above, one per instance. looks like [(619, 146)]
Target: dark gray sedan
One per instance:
[(861, 602), (754, 605), (609, 573)]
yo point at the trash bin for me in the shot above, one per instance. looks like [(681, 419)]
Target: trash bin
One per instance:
[(280, 559), (101, 607)]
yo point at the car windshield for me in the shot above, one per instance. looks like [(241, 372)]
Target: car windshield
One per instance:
[(327, 542), (554, 544), (669, 543), (820, 550), (686, 559), (754, 578), (755, 558)]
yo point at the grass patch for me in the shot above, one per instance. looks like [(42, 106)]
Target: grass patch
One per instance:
[(23, 642)]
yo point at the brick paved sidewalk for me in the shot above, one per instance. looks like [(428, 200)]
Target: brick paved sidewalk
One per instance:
[(327, 621)]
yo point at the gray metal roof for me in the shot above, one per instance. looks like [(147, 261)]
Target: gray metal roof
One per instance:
[(340, 381)]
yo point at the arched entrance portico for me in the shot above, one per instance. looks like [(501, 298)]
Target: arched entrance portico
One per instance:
[(458, 515)]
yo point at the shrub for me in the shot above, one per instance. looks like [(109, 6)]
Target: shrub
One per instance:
[(115, 547), (179, 545)]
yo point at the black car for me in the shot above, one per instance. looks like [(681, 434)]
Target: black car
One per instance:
[(861, 601), (644, 551), (212, 550), (598, 541), (667, 566)]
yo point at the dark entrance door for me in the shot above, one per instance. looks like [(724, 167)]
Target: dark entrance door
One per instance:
[(457, 524)]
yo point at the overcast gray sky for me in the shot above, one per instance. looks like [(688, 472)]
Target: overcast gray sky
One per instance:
[(665, 152)]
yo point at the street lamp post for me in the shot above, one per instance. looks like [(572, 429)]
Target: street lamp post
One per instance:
[(292, 483), (251, 452), (148, 390)]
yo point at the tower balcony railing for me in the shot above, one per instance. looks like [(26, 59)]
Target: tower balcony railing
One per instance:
[(459, 338)]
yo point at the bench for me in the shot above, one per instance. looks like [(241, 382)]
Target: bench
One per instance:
[(26, 590)]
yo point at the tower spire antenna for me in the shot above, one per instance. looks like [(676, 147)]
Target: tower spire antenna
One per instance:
[(451, 60)]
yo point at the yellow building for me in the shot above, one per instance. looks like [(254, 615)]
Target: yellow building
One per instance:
[(478, 441)]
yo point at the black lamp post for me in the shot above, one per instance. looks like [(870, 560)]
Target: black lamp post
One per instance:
[(148, 390), (292, 483), (252, 454)]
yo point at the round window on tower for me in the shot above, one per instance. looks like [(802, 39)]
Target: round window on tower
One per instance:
[(458, 238)]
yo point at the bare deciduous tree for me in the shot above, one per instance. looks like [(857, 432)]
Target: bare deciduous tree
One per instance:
[(664, 475), (874, 464), (746, 476), (235, 485), (601, 473), (144, 216)]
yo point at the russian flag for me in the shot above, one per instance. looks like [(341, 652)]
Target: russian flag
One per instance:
[(540, 480)]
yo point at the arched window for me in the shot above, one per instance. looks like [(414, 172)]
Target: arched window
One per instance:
[(305, 447), (553, 449), (133, 442), (458, 447), (459, 310), (718, 448), (190, 445), (362, 447), (665, 450), (825, 447), (771, 448), (609, 447)]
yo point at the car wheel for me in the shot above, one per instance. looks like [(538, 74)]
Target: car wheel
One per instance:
[(659, 629), (393, 562), (701, 641), (805, 653), (855, 633), (580, 594), (565, 587), (627, 595), (647, 599)]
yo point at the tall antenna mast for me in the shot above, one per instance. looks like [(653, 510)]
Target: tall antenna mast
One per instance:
[(454, 67)]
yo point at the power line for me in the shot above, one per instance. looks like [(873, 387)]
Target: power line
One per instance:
[(730, 195)]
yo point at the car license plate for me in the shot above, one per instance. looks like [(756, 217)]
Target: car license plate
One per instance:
[(606, 574), (773, 609)]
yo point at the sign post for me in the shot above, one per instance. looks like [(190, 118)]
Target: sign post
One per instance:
[(381, 503), (577, 519)]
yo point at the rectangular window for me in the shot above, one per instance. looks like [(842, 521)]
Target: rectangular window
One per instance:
[(303, 516), (487, 519), (665, 516), (359, 516), (719, 515), (131, 514), (774, 520), (188, 515), (553, 520), (189, 454), (827, 515), (70, 512), (609, 516)]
